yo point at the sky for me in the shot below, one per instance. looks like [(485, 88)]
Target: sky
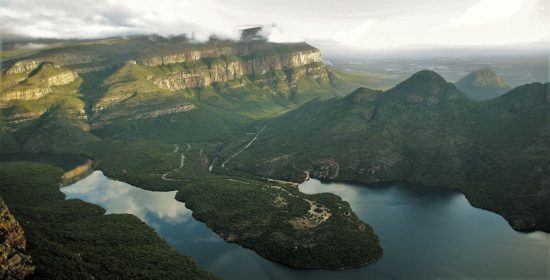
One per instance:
[(360, 24)]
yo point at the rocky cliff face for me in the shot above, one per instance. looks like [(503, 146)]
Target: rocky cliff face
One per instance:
[(153, 61), (29, 65), (14, 262), (265, 64), (294, 64), (190, 53), (220, 71)]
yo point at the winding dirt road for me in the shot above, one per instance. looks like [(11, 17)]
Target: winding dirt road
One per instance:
[(244, 148), (182, 162)]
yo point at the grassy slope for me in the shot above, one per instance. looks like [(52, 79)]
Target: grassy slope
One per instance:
[(71, 239)]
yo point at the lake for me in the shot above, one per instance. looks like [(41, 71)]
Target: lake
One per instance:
[(426, 232)]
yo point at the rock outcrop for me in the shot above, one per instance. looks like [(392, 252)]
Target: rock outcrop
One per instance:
[(111, 99), (15, 263), (25, 94), (39, 83), (167, 111), (62, 78), (23, 66)]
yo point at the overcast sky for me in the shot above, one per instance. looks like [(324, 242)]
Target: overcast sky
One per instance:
[(370, 24)]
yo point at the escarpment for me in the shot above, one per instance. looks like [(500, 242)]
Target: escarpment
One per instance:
[(62, 59), (172, 70), (202, 75), (204, 67), (40, 82), (15, 263), (153, 61), (144, 77), (28, 96)]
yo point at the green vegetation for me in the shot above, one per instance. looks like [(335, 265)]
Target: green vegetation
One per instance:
[(244, 209), (117, 97), (72, 239), (423, 131), (282, 224), (262, 216)]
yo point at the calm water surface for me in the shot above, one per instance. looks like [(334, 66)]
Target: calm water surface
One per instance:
[(426, 233)]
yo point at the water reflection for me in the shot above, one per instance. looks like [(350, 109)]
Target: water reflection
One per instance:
[(426, 232), (119, 197)]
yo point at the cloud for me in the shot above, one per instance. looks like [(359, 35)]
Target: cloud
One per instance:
[(354, 23), (489, 11), (92, 19), (485, 22), (30, 46)]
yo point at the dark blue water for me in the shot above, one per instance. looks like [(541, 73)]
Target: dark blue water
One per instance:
[(426, 233)]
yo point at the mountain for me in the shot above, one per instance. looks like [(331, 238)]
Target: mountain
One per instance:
[(424, 131), (128, 87), (482, 84)]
